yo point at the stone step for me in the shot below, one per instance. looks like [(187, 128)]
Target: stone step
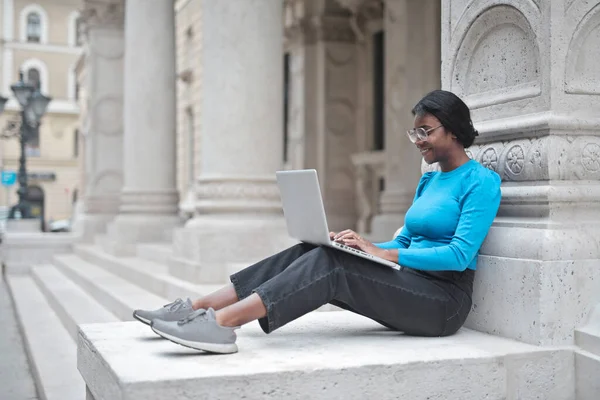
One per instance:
[(71, 303), (151, 276), (322, 356), (587, 368), (588, 337), (114, 293), (157, 252), (51, 351)]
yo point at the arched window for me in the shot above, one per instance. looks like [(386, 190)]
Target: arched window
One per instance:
[(36, 71), (78, 35), (33, 77), (33, 23), (74, 29), (34, 27)]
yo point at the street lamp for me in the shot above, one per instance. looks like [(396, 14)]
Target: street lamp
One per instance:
[(3, 101), (33, 107)]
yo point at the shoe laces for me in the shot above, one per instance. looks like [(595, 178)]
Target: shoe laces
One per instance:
[(201, 312), (174, 306)]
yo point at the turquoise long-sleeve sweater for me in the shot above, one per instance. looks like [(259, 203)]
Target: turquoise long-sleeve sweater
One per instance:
[(450, 217)]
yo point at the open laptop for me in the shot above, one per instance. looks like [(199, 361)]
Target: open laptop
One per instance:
[(305, 214)]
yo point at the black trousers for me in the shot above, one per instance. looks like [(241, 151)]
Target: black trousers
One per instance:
[(304, 277)]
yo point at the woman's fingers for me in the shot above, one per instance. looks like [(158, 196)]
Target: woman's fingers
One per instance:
[(342, 234), (348, 233)]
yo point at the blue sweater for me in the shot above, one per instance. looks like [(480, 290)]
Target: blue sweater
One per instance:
[(450, 217)]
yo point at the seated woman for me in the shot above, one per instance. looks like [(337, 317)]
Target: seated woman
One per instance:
[(452, 212)]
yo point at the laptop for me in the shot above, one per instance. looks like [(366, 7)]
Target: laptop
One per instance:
[(305, 214)]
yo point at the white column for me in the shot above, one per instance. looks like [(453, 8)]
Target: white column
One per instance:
[(149, 196), (238, 213), (101, 77), (412, 68)]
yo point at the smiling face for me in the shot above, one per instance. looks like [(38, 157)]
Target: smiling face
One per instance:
[(440, 143)]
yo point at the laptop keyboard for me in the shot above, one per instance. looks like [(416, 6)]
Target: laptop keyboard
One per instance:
[(343, 246)]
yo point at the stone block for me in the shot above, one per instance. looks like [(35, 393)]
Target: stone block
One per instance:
[(587, 367), (21, 250), (321, 356), (538, 302)]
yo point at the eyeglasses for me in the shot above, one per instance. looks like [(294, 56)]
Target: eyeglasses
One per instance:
[(417, 134)]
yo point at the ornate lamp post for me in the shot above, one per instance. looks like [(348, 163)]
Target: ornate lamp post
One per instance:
[(33, 107)]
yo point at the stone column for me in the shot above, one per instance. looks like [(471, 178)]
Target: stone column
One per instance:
[(238, 213), (323, 103), (148, 209), (412, 68), (529, 72), (101, 77)]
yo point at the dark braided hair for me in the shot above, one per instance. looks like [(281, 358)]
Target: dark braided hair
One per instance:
[(452, 113)]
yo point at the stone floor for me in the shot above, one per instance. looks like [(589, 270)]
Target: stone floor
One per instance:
[(16, 382)]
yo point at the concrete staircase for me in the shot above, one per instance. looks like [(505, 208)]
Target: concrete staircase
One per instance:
[(74, 313), (86, 286)]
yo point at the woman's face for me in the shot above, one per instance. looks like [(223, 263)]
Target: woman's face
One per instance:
[(439, 142)]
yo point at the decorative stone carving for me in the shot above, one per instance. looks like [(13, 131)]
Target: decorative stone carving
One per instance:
[(503, 38), (237, 188), (582, 73), (590, 157), (489, 159), (329, 29), (102, 13), (515, 159)]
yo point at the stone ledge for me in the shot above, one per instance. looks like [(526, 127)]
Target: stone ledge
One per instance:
[(321, 356), (21, 251)]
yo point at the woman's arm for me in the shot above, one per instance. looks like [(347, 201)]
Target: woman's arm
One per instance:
[(480, 205), (402, 241)]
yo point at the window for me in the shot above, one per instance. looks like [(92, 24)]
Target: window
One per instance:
[(34, 27), (191, 145), (286, 104), (33, 24), (379, 91), (76, 143), (33, 77), (35, 72), (78, 35)]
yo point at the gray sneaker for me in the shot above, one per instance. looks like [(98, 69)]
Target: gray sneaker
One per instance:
[(199, 331), (171, 312)]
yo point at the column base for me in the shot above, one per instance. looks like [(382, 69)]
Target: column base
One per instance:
[(88, 226), (536, 285), (209, 246), (128, 230)]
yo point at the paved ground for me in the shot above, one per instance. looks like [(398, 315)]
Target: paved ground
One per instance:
[(16, 382)]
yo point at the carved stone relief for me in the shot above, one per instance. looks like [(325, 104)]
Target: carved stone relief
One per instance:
[(102, 13), (582, 73), (498, 55)]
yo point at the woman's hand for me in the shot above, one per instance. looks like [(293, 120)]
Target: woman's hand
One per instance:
[(353, 239)]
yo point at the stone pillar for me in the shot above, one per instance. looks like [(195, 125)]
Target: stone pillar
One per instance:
[(148, 209), (238, 212), (529, 72), (412, 68), (101, 78), (323, 102)]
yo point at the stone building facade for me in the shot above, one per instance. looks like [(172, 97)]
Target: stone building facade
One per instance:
[(41, 39), (348, 73)]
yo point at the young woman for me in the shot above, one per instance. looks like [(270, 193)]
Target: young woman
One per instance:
[(452, 212)]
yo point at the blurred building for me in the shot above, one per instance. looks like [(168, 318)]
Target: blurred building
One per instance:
[(41, 39)]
